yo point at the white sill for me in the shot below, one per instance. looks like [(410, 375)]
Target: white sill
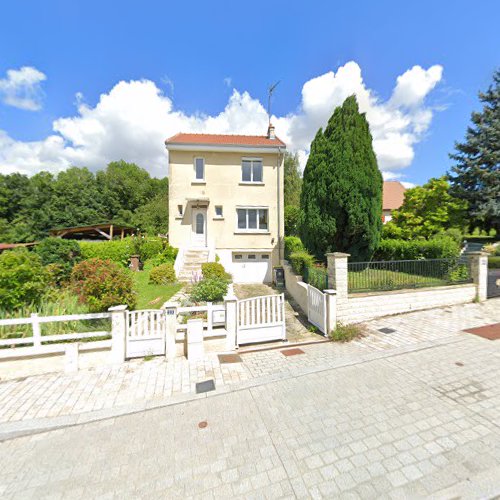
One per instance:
[(252, 231), (248, 183), (218, 218), (198, 182)]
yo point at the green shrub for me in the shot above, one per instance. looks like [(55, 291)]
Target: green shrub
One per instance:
[(61, 255), (215, 270), (167, 255), (209, 290), (292, 244), (163, 274), (118, 251), (153, 247), (442, 247), (494, 262), (23, 279), (57, 275), (346, 333), (102, 283), (300, 260), (497, 251)]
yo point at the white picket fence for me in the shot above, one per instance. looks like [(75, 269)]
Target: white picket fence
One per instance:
[(316, 308), (37, 343)]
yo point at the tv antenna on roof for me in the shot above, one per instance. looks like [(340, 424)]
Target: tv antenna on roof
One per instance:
[(269, 95)]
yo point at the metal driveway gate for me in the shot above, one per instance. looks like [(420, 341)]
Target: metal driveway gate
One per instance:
[(316, 308), (260, 319), (145, 333)]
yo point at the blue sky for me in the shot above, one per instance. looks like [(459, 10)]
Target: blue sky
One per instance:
[(195, 54)]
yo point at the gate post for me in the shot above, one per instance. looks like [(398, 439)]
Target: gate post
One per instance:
[(195, 348), (231, 324), (338, 278), (479, 272), (118, 333), (331, 311), (170, 329)]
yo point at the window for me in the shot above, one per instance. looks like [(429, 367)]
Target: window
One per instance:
[(252, 257), (252, 219), (199, 169), (264, 256), (238, 257), (179, 209), (251, 170), (218, 210)]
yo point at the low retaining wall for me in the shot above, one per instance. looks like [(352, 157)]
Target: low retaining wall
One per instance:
[(367, 306), (295, 286)]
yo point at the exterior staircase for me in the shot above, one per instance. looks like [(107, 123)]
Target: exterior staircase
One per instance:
[(193, 259)]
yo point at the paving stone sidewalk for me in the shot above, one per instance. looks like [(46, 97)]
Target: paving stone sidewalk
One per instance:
[(405, 426), (157, 382)]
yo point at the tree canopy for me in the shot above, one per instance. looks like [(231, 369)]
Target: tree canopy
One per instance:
[(292, 180), (123, 193), (341, 198), (475, 177), (427, 210)]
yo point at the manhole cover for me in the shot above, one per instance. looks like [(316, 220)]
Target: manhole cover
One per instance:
[(386, 330), (490, 332), (229, 358), (292, 352), (206, 386)]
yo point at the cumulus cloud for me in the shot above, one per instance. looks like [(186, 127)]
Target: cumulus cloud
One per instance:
[(133, 119), (21, 88)]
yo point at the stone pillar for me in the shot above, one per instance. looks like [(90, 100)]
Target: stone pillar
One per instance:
[(230, 303), (479, 273), (118, 333), (195, 349), (331, 310), (170, 329), (337, 274)]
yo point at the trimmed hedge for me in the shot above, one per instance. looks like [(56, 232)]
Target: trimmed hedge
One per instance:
[(292, 244), (443, 247), (214, 270), (300, 260), (162, 275)]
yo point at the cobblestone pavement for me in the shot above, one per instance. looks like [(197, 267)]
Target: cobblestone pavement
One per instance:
[(138, 384), (415, 424)]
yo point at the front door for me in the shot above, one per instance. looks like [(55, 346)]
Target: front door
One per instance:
[(199, 227)]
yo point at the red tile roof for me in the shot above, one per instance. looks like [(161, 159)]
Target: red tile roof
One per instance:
[(225, 140), (393, 195)]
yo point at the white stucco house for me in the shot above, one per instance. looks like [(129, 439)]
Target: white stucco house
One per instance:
[(226, 203)]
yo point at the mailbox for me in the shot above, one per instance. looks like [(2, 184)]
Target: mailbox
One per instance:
[(279, 277)]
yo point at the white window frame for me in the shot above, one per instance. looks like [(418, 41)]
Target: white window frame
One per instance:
[(194, 167), (256, 229), (252, 160)]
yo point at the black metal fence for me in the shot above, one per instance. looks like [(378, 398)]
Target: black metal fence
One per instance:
[(316, 276), (399, 274)]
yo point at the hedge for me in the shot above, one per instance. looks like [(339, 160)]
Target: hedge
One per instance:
[(437, 248), (300, 260), (292, 244)]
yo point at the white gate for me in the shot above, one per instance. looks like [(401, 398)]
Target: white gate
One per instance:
[(316, 308), (145, 333), (260, 319)]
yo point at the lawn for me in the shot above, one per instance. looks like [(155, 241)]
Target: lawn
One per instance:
[(151, 296)]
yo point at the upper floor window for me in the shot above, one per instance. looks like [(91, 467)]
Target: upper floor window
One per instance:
[(199, 169), (251, 170)]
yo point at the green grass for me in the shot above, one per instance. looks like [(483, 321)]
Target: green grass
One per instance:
[(150, 296)]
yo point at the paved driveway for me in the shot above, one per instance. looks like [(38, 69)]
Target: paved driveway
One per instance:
[(410, 424)]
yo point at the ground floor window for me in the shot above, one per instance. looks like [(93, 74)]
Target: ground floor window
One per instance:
[(253, 219)]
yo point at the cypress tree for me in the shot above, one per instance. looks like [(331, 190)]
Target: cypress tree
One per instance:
[(341, 199)]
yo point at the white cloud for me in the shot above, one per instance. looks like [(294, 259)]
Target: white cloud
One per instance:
[(21, 88), (133, 119)]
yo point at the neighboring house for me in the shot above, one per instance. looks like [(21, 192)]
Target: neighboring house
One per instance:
[(392, 199), (226, 200)]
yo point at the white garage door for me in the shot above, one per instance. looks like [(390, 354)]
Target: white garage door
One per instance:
[(251, 268)]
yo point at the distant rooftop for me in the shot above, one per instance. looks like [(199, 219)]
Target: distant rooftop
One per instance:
[(225, 140), (393, 195)]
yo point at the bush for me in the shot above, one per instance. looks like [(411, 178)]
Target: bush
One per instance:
[(167, 256), (209, 290), (162, 275), (61, 255), (443, 247), (152, 247), (494, 262), (118, 251), (300, 260), (292, 244), (102, 284), (214, 270), (346, 333), (23, 279)]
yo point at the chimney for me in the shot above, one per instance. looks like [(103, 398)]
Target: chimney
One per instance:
[(270, 132)]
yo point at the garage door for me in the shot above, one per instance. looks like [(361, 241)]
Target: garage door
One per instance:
[(251, 268)]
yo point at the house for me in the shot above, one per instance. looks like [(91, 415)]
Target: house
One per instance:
[(392, 198), (226, 203)]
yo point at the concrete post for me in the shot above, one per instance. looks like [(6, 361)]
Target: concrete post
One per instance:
[(118, 333), (71, 357), (170, 329), (230, 303), (331, 310), (195, 349), (479, 272), (337, 276)]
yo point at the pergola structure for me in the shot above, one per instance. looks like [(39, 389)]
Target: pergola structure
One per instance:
[(93, 232)]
